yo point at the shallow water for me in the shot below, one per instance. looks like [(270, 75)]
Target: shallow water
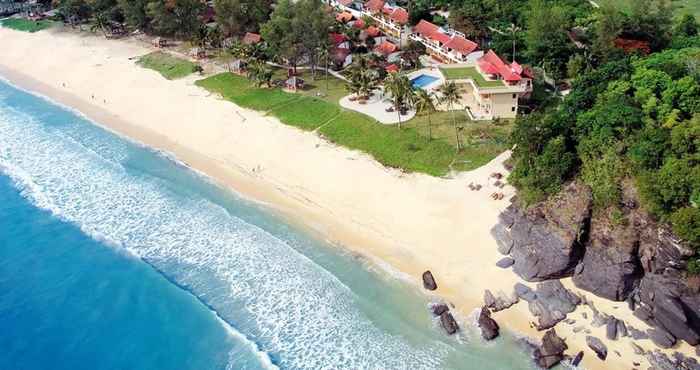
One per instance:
[(115, 256)]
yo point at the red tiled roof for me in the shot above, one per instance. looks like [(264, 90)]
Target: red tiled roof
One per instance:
[(461, 45), (440, 37), (373, 31), (399, 15), (251, 38), (359, 24), (391, 68), (386, 48), (345, 2), (337, 38), (631, 45), (491, 63), (343, 17), (425, 28), (387, 10), (375, 5)]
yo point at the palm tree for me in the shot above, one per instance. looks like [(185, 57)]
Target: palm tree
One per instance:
[(399, 86), (324, 54), (450, 96), (100, 23), (424, 104)]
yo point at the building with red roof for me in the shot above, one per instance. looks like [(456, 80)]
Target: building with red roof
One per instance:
[(343, 17), (391, 20), (392, 68), (251, 38), (445, 46), (492, 65), (386, 48), (373, 31)]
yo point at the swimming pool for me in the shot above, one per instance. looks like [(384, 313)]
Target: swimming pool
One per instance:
[(423, 81)]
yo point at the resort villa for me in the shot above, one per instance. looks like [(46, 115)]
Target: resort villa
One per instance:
[(491, 87), (446, 46)]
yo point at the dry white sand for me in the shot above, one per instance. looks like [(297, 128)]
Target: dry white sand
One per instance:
[(409, 223)]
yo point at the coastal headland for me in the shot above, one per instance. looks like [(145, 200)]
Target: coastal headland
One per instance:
[(408, 223)]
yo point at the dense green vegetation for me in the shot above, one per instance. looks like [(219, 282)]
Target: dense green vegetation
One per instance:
[(167, 65), (407, 148), (21, 24), (634, 118)]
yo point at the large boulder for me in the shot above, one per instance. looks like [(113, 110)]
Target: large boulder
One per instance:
[(597, 345), (448, 323), (661, 337), (429, 281), (545, 239), (552, 303), (500, 301), (489, 327), (610, 267), (551, 352), (667, 302)]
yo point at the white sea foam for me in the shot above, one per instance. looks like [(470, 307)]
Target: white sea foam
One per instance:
[(280, 302)]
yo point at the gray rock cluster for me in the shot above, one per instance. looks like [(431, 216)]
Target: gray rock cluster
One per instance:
[(550, 302), (499, 302), (447, 321), (660, 361), (638, 261)]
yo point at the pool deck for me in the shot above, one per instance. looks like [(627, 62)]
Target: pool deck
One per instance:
[(432, 72), (376, 107)]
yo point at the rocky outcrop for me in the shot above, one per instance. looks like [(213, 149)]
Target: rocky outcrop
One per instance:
[(551, 352), (551, 303), (660, 361), (439, 308), (661, 337), (610, 267), (597, 346), (545, 240), (429, 281), (489, 327), (500, 301), (577, 359), (448, 323), (622, 255)]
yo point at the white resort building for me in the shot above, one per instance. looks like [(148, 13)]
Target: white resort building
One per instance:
[(447, 46)]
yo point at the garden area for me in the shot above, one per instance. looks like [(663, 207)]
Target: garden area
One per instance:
[(469, 73), (316, 108), (167, 65), (26, 25)]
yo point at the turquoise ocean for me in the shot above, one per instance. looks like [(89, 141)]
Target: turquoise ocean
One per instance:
[(116, 256)]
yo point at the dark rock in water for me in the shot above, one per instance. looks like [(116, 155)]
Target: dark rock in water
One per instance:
[(552, 303), (439, 308), (610, 267), (489, 327), (611, 328), (577, 359), (597, 346), (429, 281), (544, 240), (499, 302), (448, 323), (505, 262), (551, 352), (661, 337)]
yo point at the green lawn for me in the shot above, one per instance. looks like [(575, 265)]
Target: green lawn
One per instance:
[(408, 149), (21, 24), (167, 65), (471, 73)]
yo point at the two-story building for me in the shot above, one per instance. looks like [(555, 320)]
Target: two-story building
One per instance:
[(491, 88), (447, 46), (391, 20)]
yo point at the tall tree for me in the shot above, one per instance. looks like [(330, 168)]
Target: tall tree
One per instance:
[(175, 17), (240, 16), (546, 39), (424, 104), (401, 91), (450, 96), (134, 12)]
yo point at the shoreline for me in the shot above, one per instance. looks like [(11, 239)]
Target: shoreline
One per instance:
[(440, 219)]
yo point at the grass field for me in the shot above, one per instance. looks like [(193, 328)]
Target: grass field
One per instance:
[(316, 108), (469, 73), (167, 65), (21, 24)]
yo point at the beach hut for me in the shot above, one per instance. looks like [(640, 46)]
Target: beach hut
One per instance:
[(251, 38), (160, 42), (294, 83)]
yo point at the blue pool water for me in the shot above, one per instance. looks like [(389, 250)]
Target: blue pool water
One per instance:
[(115, 256), (423, 81)]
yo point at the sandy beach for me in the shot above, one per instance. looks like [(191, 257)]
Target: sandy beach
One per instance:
[(407, 222)]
